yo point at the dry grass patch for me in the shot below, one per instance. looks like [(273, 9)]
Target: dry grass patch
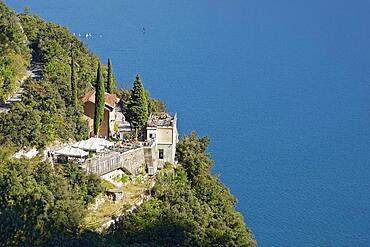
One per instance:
[(133, 192)]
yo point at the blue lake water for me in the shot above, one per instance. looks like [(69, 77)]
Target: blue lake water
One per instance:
[(281, 87)]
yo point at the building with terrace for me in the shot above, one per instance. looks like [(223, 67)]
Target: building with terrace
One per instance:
[(107, 159)]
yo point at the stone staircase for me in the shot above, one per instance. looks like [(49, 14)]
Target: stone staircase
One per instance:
[(35, 72)]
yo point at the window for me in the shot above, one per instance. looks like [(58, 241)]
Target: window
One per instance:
[(161, 154), (151, 136)]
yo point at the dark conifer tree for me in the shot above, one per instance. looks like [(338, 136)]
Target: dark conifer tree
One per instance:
[(99, 100), (110, 83), (137, 106)]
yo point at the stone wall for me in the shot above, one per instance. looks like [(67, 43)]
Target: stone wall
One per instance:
[(133, 160), (168, 154)]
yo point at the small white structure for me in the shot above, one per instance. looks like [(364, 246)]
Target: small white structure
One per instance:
[(115, 194), (124, 127), (152, 170), (124, 130)]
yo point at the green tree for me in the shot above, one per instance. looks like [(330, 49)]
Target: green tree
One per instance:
[(73, 82), (137, 106), (49, 100), (180, 214), (14, 53), (38, 206), (99, 100), (27, 10), (88, 186), (110, 81), (21, 126), (191, 152), (155, 105)]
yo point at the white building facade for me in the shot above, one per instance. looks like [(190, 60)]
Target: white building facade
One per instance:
[(162, 128)]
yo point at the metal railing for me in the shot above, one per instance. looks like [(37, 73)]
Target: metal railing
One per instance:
[(106, 162)]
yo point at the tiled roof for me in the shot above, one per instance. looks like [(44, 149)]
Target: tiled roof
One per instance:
[(110, 99)]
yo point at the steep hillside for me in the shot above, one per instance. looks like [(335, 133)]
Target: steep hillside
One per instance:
[(14, 53), (47, 104)]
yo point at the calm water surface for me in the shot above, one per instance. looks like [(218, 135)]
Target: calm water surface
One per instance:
[(281, 87)]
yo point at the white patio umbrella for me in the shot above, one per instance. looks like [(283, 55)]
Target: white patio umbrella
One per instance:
[(88, 146), (101, 141), (72, 152)]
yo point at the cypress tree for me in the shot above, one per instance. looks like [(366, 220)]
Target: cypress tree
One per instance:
[(73, 82), (137, 106), (110, 83), (99, 100)]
